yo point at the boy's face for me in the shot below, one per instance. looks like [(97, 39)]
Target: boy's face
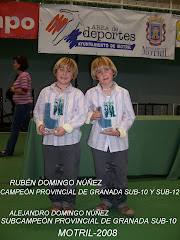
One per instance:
[(64, 75), (105, 76)]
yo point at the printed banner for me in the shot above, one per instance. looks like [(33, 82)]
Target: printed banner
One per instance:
[(73, 29), (19, 20), (177, 21)]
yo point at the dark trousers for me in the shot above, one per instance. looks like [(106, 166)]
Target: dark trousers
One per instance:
[(62, 163), (21, 118), (112, 169)]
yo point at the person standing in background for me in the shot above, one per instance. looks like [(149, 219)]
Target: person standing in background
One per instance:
[(21, 89)]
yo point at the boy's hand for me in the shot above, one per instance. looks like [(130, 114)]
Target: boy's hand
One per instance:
[(96, 115), (111, 132), (42, 130), (61, 131)]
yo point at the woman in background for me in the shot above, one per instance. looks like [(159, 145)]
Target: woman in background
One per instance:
[(23, 103)]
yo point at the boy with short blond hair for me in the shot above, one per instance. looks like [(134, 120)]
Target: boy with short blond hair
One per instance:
[(59, 113), (111, 115)]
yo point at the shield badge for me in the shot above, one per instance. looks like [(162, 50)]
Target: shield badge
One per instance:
[(155, 30)]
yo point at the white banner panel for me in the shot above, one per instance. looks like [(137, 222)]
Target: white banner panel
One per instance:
[(73, 29), (177, 21)]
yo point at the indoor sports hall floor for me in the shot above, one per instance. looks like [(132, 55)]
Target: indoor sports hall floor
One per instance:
[(150, 210)]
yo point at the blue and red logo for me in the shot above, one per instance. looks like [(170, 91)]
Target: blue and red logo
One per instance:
[(67, 28), (155, 30)]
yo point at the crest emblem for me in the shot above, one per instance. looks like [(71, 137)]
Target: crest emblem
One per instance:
[(155, 30)]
